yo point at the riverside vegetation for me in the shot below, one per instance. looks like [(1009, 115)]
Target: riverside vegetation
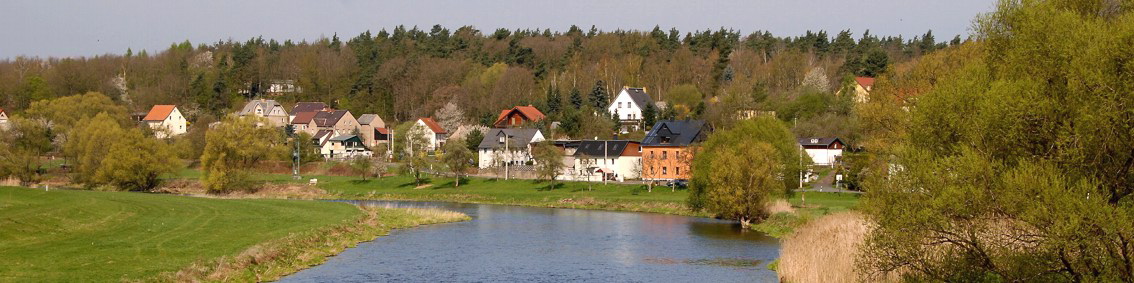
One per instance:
[(66, 235)]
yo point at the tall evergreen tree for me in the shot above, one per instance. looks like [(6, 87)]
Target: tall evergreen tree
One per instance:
[(576, 98), (599, 97)]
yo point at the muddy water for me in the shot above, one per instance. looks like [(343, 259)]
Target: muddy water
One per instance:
[(528, 244)]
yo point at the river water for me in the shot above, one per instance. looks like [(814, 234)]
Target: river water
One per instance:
[(530, 244)]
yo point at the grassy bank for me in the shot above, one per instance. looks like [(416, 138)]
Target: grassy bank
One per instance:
[(272, 260), (581, 195), (817, 205), (66, 235)]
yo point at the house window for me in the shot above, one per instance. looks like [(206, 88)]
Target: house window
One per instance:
[(677, 170), (663, 171), (664, 155), (619, 105)]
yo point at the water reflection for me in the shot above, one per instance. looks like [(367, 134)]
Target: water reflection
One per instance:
[(511, 243)]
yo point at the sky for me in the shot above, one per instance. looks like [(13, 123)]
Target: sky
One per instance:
[(66, 28)]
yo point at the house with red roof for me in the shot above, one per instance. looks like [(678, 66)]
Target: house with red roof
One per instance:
[(434, 133), (3, 119), (166, 121), (862, 88), (518, 116)]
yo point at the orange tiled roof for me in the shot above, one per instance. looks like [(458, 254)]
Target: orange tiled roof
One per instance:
[(533, 114), (864, 81), (433, 126), (159, 112)]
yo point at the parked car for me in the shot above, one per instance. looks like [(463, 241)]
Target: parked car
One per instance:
[(678, 183)]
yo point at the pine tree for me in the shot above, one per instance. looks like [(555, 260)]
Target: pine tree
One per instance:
[(598, 95), (576, 98), (649, 115), (554, 101)]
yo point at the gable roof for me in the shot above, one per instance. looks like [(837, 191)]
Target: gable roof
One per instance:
[(818, 141), (613, 148), (677, 132), (345, 138), (1, 110), (433, 126), (366, 119), (866, 82), (328, 118), (638, 95), (322, 136), (159, 112), (383, 131), (308, 107), (266, 104), (529, 112), (303, 118), (517, 137)]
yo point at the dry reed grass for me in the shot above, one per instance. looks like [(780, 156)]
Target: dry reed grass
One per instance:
[(779, 206), (824, 250)]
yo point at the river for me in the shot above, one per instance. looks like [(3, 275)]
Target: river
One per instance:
[(531, 244)]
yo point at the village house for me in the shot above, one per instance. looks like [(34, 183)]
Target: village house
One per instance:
[(166, 121), (307, 107), (372, 130), (823, 151), (4, 122), (518, 116), (339, 122), (568, 147), (300, 121), (667, 149), (628, 105), (434, 133), (343, 147), (268, 109), (512, 146), (607, 159), (862, 88)]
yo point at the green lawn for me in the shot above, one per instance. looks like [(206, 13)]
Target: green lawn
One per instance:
[(82, 236)]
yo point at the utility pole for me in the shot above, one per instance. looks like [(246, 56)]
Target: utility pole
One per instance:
[(802, 194), (508, 152), (604, 158)]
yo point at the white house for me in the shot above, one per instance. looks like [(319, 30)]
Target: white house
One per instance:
[(166, 121), (823, 151), (512, 146), (344, 146), (613, 159), (434, 133), (3, 119), (267, 109), (628, 105)]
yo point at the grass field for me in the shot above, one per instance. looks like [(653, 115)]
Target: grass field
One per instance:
[(83, 236)]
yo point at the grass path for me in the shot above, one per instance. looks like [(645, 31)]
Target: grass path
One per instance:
[(87, 236)]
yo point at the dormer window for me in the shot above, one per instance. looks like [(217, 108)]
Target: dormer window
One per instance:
[(664, 139), (501, 139), (814, 140)]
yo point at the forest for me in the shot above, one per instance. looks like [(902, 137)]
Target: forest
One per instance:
[(410, 72)]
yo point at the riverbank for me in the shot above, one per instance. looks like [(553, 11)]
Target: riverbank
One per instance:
[(69, 235)]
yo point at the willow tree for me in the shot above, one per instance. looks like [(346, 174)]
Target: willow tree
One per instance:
[(1018, 166), (231, 149)]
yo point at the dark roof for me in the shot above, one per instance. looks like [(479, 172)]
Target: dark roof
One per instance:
[(328, 118), (613, 148), (318, 137), (518, 137), (308, 107), (818, 141), (567, 143), (675, 133), (366, 119), (638, 95), (346, 138)]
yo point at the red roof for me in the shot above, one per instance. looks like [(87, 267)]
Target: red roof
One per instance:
[(303, 117), (159, 112), (383, 131), (864, 81), (530, 112), (433, 126)]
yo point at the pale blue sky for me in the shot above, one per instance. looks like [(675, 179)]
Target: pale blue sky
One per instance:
[(85, 28)]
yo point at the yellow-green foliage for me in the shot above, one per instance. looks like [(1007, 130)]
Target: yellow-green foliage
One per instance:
[(106, 154), (233, 146), (1017, 166), (782, 164)]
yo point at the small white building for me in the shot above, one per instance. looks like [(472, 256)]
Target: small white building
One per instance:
[(434, 133), (628, 105), (4, 122), (611, 159), (823, 151), (268, 109), (166, 121), (511, 146), (343, 147)]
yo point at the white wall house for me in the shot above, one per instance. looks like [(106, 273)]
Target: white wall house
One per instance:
[(433, 133), (166, 121), (342, 147), (617, 160), (3, 120), (512, 146), (267, 109), (823, 151), (628, 105)]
